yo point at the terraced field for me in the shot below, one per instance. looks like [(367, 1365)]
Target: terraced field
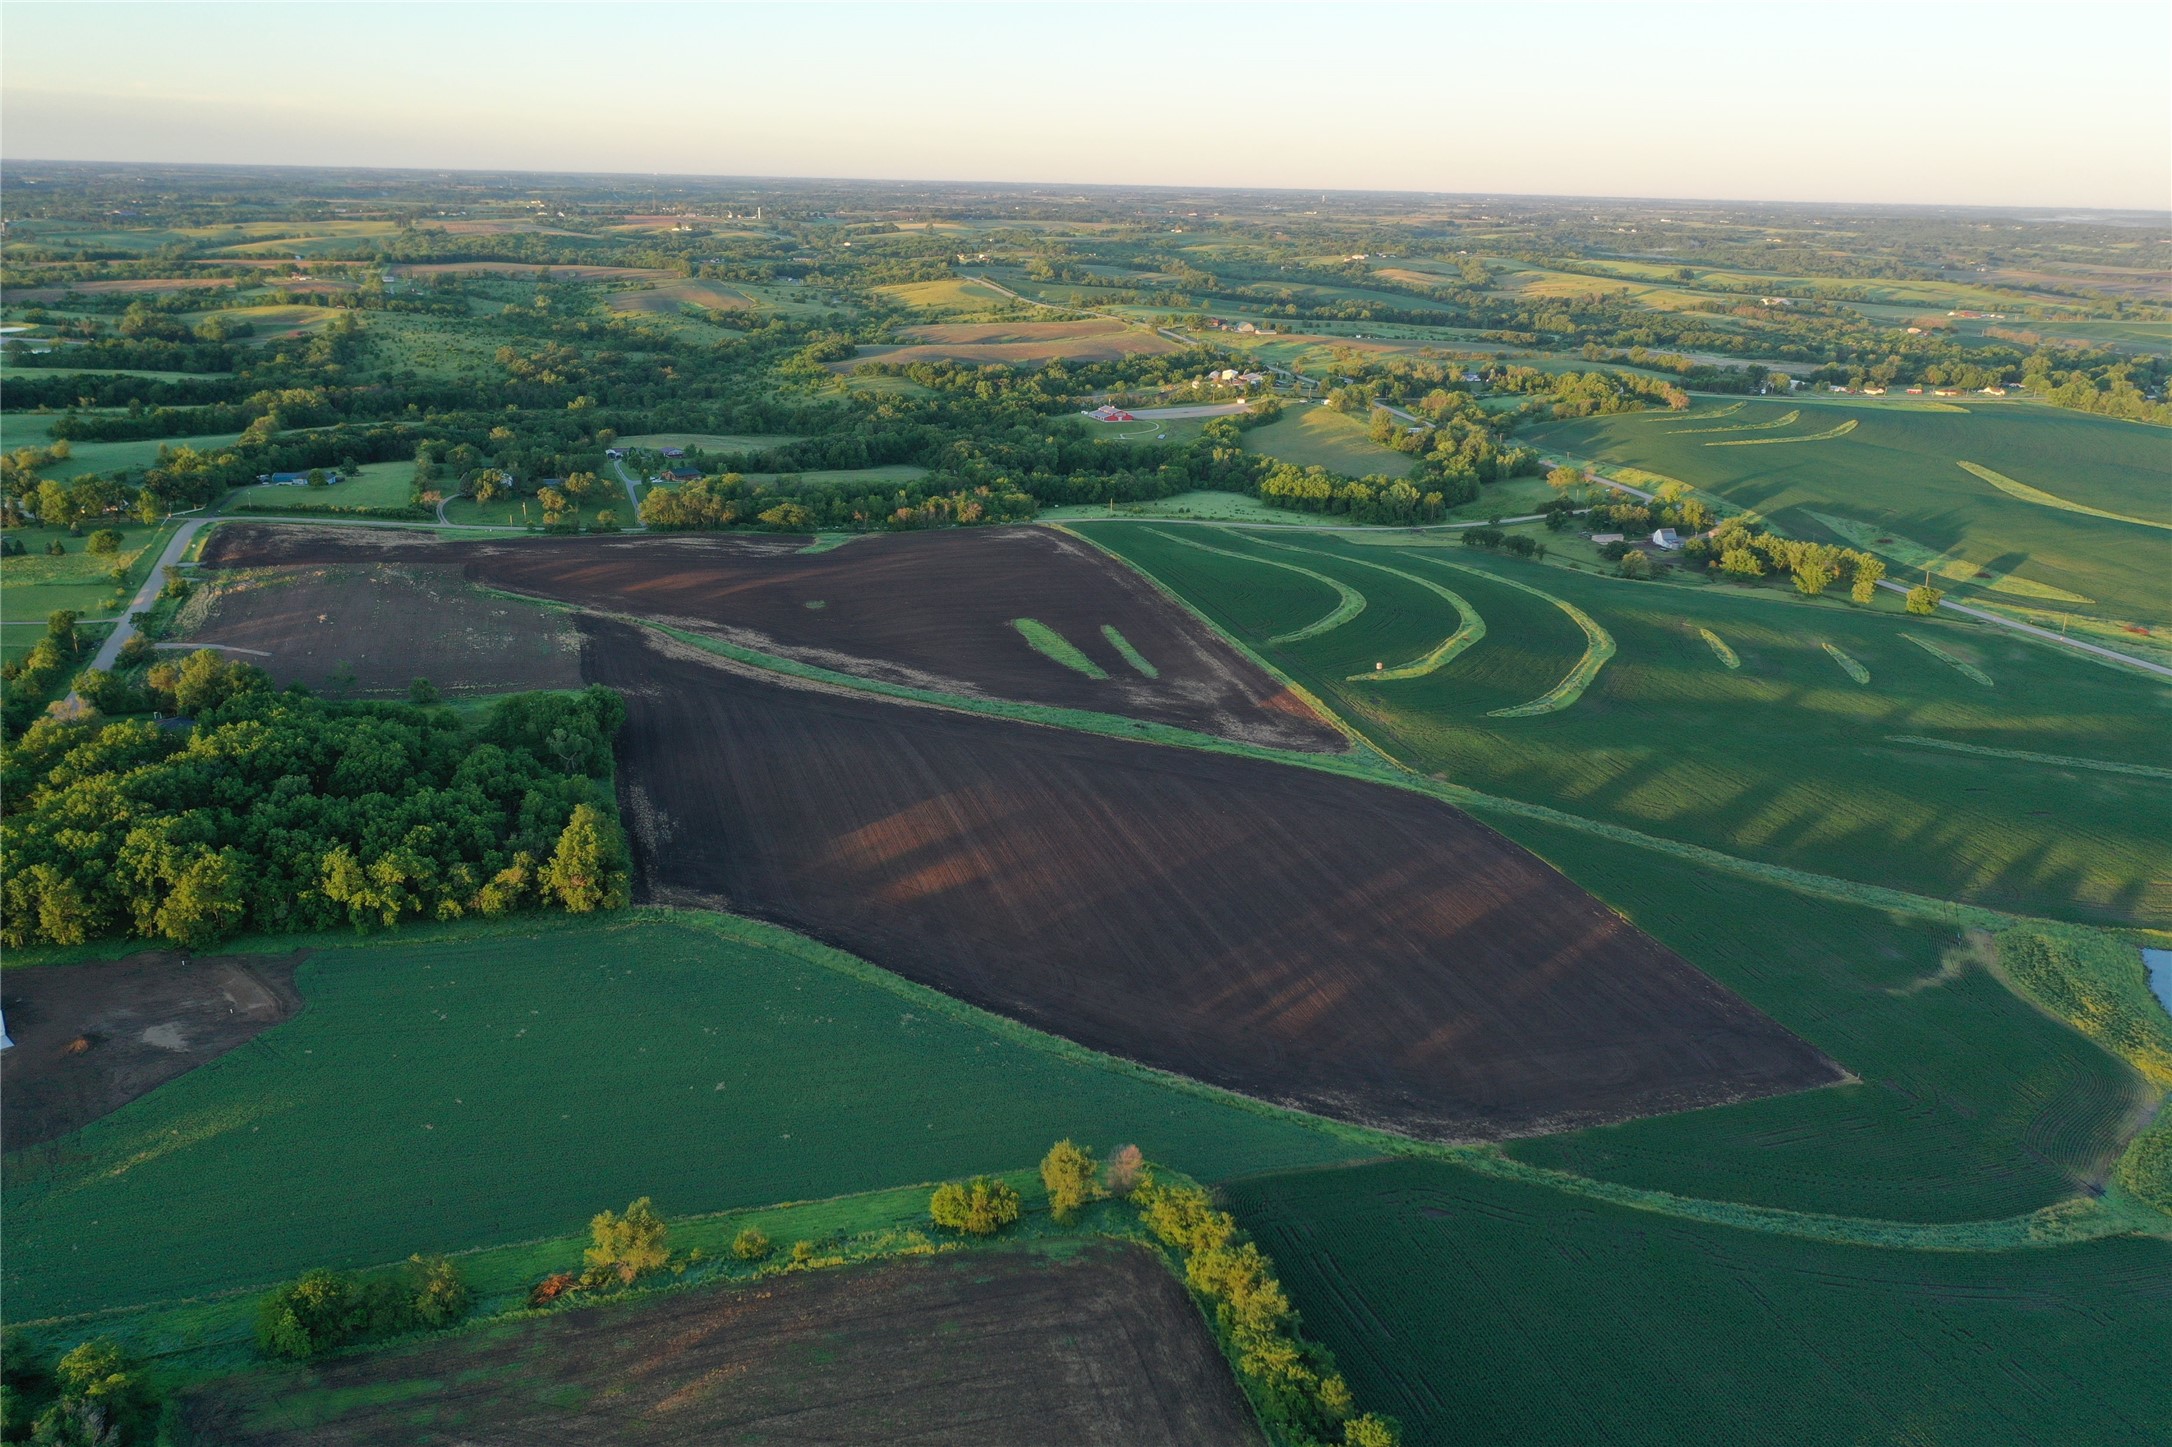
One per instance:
[(1783, 758), (1915, 481)]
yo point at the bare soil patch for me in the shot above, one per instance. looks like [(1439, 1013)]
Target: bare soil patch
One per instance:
[(1350, 949), (930, 609), (372, 629), (1093, 340), (987, 1347), (90, 1038)]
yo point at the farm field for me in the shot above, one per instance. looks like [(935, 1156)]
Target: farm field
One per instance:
[(88, 457), (1096, 340), (1102, 1346), (932, 610), (1318, 437), (1785, 759), (373, 484), (424, 1074), (1898, 479), (669, 296), (365, 630), (1571, 1321), (36, 584), (952, 295), (1323, 943)]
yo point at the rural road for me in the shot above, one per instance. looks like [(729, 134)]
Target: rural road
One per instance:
[(632, 498), (146, 595), (2046, 634)]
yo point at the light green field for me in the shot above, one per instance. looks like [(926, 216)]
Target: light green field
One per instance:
[(1899, 476), (950, 296), (35, 584), (1218, 506), (1783, 759), (375, 484), (1319, 437), (872, 476), (486, 1089), (524, 511), (88, 457), (1488, 1310)]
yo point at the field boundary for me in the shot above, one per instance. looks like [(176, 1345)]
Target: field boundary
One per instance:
[(2063, 761), (1841, 431), (1352, 601), (1598, 647), (2041, 498)]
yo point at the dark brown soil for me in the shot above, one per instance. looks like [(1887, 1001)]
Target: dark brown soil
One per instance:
[(932, 610), (373, 630), (1347, 948), (91, 1038), (976, 1349)]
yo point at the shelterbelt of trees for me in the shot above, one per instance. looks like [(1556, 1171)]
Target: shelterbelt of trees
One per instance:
[(276, 810)]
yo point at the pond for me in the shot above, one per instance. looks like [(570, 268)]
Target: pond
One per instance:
[(2159, 965)]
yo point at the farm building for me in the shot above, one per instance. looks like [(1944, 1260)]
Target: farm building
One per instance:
[(672, 451), (1106, 413), (1604, 538), (682, 474), (1667, 539), (293, 479), (614, 453)]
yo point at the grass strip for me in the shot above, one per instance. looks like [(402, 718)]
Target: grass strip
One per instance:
[(1848, 665), (1352, 601), (1961, 666), (1598, 647), (1787, 419), (2041, 498), (1841, 431), (1049, 643), (2061, 761), (1132, 655), (1469, 630), (1720, 650), (1727, 411)]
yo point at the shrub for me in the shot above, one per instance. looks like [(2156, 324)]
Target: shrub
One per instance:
[(326, 1310), (751, 1245), (1123, 1171), (979, 1207), (1069, 1173), (422, 693), (1924, 599), (1372, 1430), (1635, 564), (802, 1252), (627, 1247), (105, 542)]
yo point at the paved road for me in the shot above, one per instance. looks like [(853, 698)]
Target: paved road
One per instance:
[(633, 499), (145, 596)]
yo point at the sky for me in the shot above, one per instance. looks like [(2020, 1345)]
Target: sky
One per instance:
[(2066, 105)]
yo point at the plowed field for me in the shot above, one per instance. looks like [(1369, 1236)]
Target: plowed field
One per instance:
[(1345, 948), (933, 610), (1004, 1348)]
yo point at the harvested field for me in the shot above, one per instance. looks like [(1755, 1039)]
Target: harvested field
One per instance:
[(575, 272), (930, 610), (670, 296), (1094, 341), (1003, 1347), (1349, 949), (374, 628), (133, 286), (91, 1038)]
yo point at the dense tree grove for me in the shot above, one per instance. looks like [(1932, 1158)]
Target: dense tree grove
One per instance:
[(277, 810), (325, 1310)]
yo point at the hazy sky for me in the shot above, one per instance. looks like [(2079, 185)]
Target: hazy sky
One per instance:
[(2041, 104)]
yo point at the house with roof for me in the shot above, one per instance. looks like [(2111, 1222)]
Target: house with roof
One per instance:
[(1667, 540)]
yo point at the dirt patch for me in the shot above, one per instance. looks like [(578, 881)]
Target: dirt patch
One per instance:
[(1071, 342), (930, 610), (1350, 949), (989, 1347), (372, 629), (91, 1038)]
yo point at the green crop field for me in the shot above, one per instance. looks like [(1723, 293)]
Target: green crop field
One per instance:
[(488, 1088), (1318, 437), (1487, 1310), (1784, 759), (375, 484), (1899, 476)]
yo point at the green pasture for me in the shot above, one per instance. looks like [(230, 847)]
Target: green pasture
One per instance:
[(1487, 1310), (432, 347), (374, 484), (950, 296), (525, 512), (1898, 475), (1202, 504), (89, 457), (1783, 760), (36, 584), (1321, 437), (483, 1088), (872, 476)]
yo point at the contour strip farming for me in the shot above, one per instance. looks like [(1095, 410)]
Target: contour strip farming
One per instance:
[(1352, 601), (1598, 648), (2041, 498)]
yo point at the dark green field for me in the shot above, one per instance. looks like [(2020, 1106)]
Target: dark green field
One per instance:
[(1484, 1310), (488, 1089), (1785, 759)]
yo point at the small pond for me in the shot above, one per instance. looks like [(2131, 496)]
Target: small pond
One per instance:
[(2159, 965)]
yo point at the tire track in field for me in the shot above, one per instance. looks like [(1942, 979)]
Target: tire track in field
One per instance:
[(1351, 603)]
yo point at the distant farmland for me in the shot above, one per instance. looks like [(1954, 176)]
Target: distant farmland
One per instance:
[(1097, 340)]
